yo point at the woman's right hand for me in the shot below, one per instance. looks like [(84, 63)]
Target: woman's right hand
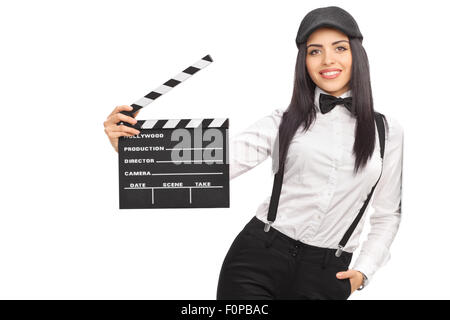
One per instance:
[(114, 131)]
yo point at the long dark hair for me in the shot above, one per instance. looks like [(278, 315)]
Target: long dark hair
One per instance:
[(301, 111)]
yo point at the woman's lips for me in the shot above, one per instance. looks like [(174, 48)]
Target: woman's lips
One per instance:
[(330, 74)]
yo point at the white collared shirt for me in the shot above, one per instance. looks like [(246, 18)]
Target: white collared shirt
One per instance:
[(320, 196)]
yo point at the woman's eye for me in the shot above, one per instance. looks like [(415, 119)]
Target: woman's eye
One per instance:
[(315, 51)]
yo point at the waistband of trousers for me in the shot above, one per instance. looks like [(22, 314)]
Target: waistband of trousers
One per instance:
[(284, 241)]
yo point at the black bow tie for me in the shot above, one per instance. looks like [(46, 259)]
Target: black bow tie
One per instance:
[(327, 103)]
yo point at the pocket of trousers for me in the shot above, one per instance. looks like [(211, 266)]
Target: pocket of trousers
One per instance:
[(348, 284), (349, 287), (344, 289)]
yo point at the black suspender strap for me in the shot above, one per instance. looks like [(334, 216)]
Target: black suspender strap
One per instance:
[(348, 234), (275, 197)]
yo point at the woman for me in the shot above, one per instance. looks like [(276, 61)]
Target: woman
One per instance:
[(323, 146), (331, 159)]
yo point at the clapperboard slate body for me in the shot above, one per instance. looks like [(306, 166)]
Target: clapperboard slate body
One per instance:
[(176, 163)]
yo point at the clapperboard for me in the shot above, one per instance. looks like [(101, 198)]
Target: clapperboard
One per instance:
[(174, 163)]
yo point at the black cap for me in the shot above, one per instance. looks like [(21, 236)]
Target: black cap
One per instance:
[(334, 17)]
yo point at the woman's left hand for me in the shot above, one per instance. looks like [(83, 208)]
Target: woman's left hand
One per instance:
[(356, 278)]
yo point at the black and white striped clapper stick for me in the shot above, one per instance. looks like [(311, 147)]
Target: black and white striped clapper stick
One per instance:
[(167, 86)]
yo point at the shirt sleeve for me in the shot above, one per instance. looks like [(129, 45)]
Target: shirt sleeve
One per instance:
[(387, 196), (254, 145)]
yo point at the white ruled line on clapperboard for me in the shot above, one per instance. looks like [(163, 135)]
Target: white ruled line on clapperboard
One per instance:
[(159, 125)]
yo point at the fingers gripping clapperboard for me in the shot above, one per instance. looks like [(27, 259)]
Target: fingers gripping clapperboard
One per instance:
[(174, 163)]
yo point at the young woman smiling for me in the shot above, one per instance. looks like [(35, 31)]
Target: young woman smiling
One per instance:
[(328, 163)]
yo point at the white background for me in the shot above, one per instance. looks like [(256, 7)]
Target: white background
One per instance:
[(64, 65)]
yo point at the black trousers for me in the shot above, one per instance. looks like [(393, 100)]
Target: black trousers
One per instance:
[(271, 265)]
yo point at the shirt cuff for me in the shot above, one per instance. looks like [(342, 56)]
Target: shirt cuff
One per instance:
[(367, 269)]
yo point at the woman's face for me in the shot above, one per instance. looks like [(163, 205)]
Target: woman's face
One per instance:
[(329, 60)]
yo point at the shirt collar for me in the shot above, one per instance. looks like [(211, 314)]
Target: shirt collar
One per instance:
[(318, 91)]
